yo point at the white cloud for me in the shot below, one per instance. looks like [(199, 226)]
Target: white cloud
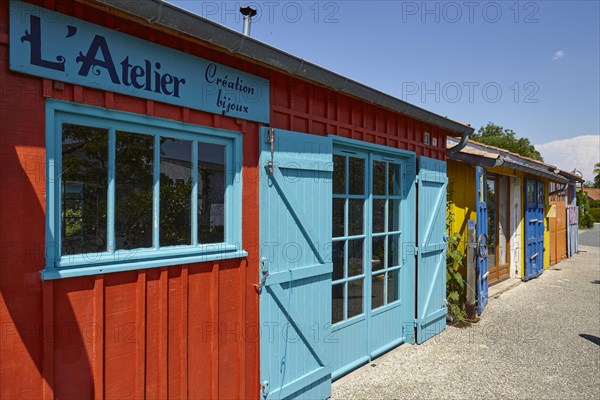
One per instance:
[(558, 55), (579, 152)]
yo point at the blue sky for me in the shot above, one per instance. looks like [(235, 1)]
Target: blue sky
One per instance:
[(531, 66)]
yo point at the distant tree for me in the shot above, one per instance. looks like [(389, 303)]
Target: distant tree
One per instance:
[(597, 175), (495, 135)]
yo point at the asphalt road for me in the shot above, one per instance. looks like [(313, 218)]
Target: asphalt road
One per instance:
[(590, 237), (538, 340)]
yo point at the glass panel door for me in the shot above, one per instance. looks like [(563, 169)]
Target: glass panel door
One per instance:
[(385, 233), (348, 237)]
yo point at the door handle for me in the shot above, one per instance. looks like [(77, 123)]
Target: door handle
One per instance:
[(482, 245)]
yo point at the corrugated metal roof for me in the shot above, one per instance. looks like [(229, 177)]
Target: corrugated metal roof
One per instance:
[(511, 160)]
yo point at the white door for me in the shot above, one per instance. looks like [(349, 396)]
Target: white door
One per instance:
[(515, 227)]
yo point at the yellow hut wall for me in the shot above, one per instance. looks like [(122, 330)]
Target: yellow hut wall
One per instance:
[(461, 192)]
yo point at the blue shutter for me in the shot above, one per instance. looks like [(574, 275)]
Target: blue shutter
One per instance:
[(540, 229), (295, 237), (534, 228), (431, 266), (482, 239)]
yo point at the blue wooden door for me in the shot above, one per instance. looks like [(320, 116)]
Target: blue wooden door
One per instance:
[(295, 290), (482, 239), (534, 228), (431, 266), (540, 227)]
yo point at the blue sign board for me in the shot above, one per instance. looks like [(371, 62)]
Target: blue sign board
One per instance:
[(60, 47)]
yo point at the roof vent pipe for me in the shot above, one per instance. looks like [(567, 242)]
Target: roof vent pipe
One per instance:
[(248, 13)]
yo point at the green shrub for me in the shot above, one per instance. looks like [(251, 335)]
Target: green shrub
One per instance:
[(455, 284), (585, 219), (586, 222), (595, 214)]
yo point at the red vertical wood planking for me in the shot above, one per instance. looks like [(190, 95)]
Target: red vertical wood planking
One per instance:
[(120, 313), (140, 336), (229, 326), (163, 334), (241, 338), (201, 330), (215, 321), (48, 338), (184, 331), (99, 337), (153, 332), (74, 331)]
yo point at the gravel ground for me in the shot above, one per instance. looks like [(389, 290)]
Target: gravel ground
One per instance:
[(538, 340)]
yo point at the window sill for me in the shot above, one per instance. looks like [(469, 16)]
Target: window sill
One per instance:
[(72, 272)]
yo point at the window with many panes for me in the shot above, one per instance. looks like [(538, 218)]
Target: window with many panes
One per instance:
[(127, 189), (366, 234), (385, 210)]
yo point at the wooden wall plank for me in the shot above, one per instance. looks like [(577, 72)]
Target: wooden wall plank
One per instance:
[(163, 333), (120, 316), (98, 348), (48, 372), (75, 333), (229, 329), (201, 332), (184, 331), (215, 324), (140, 372), (153, 333)]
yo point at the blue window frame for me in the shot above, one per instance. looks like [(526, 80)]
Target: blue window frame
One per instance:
[(127, 191)]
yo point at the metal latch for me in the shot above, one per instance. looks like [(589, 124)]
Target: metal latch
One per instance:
[(264, 388), (271, 141), (534, 256), (265, 274)]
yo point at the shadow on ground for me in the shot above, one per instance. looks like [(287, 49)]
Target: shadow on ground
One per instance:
[(591, 338)]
